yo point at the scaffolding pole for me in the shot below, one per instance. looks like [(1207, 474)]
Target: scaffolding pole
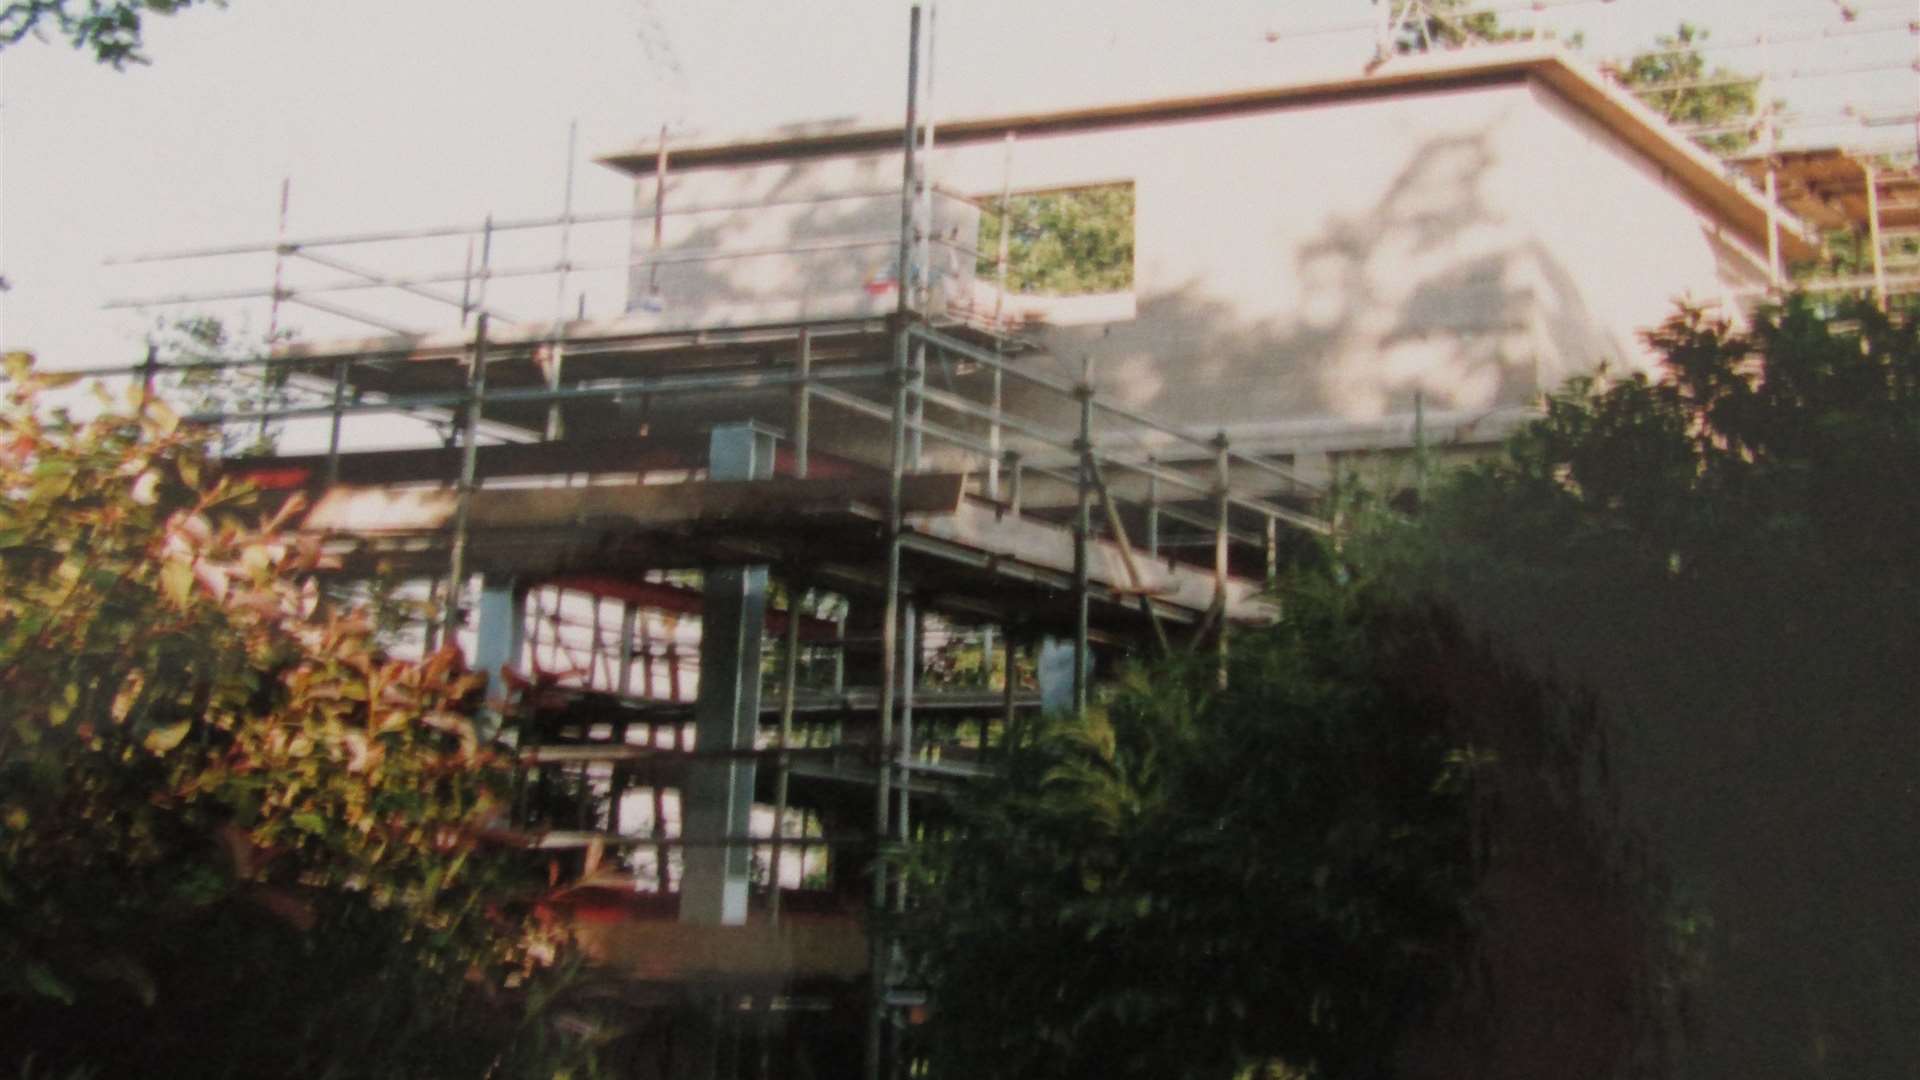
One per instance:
[(1873, 233), (469, 467), (879, 955), (789, 687), (1082, 528)]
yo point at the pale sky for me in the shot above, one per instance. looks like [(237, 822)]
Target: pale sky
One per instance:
[(398, 113)]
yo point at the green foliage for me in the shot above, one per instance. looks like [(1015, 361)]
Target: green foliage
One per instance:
[(1676, 58), (110, 29), (235, 838), (1725, 555), (1063, 242), (1450, 24), (1194, 883)]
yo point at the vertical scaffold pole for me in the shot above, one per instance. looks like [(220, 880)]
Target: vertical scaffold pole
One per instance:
[(803, 405), (1082, 528), (333, 424), (879, 954), (470, 446), (789, 686), (1769, 145), (629, 616), (999, 313), (280, 251), (1223, 505), (1153, 509), (1873, 234), (469, 469), (148, 368), (557, 347), (1008, 701), (909, 673)]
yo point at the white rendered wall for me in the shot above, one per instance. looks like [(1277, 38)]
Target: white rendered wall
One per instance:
[(1302, 272)]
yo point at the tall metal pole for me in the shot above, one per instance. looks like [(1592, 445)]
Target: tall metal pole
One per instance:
[(1153, 510), (469, 467), (1769, 138), (279, 263), (1223, 505), (333, 426), (556, 347), (999, 309), (470, 448), (879, 947), (803, 406), (1873, 234), (789, 687), (909, 672), (279, 291), (1082, 527)]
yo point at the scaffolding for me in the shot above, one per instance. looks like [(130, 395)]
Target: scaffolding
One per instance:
[(541, 510)]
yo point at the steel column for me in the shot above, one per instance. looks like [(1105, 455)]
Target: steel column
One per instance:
[(718, 799)]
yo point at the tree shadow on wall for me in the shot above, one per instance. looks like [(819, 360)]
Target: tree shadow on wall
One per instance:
[(1434, 289)]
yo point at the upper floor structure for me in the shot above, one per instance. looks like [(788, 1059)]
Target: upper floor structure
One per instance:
[(1314, 267)]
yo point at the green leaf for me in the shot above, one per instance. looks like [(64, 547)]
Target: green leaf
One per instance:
[(176, 580), (164, 739), (46, 984)]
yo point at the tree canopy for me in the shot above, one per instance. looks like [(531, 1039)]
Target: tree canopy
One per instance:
[(1288, 876), (1724, 555), (1558, 768), (1078, 240), (236, 839), (1677, 83), (110, 29)]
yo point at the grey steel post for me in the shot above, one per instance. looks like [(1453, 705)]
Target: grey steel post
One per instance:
[(469, 470), (333, 429), (557, 357), (1420, 445), (1273, 550), (1013, 482), (717, 800), (803, 405), (1153, 510), (789, 686), (1223, 505), (1008, 698), (878, 946), (147, 369), (279, 263), (1082, 528), (629, 616), (916, 431), (994, 453), (840, 655), (909, 671)]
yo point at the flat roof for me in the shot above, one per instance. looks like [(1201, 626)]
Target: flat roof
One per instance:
[(1704, 177)]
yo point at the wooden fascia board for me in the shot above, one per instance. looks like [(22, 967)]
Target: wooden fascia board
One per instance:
[(1701, 174)]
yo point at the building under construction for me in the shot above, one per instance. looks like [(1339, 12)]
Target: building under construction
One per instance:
[(770, 563)]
